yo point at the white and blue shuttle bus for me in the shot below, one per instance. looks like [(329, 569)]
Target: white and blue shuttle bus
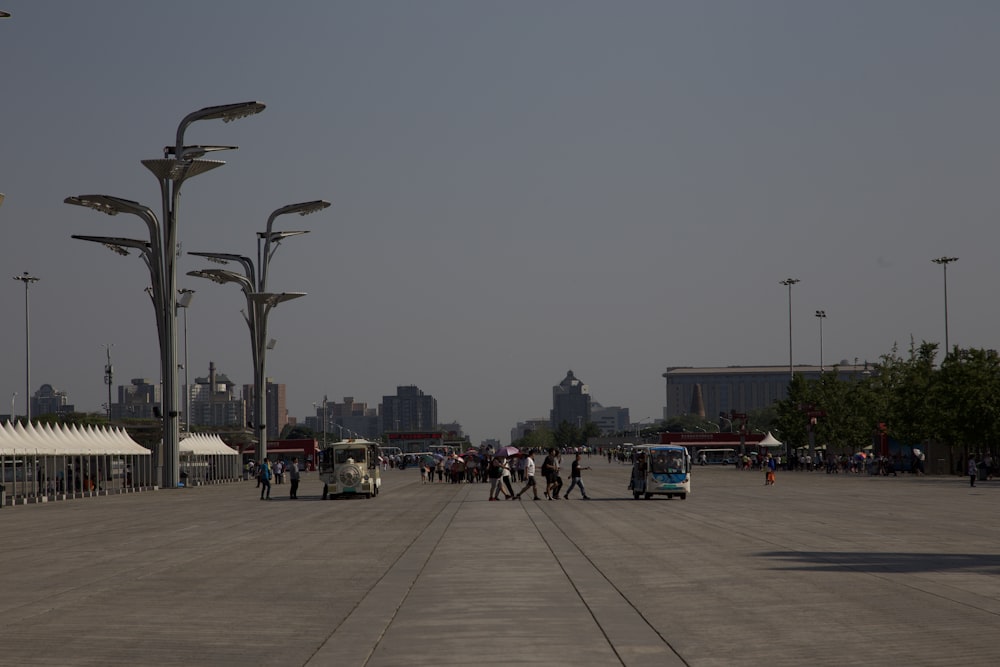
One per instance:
[(663, 470)]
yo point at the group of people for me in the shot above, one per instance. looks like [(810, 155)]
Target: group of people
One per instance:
[(499, 475), (265, 471)]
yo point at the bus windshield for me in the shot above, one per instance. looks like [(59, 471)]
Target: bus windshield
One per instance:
[(356, 453), (663, 462)]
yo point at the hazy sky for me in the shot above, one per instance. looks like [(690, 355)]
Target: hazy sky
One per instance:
[(518, 189)]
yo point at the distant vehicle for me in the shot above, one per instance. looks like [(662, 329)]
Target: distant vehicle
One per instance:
[(350, 468), (725, 455), (661, 470)]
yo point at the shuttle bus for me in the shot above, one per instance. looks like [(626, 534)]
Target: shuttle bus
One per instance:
[(663, 470)]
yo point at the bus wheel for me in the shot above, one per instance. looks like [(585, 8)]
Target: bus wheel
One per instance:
[(684, 496), (650, 495), (326, 491)]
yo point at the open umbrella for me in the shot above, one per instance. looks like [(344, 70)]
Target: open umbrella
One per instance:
[(508, 451)]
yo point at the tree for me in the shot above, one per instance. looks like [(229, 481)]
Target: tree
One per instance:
[(901, 393), (540, 440), (966, 401)]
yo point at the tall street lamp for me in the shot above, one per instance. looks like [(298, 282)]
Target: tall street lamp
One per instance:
[(27, 279), (179, 163), (944, 262), (183, 302), (789, 282), (259, 306), (253, 282), (821, 314), (109, 377)]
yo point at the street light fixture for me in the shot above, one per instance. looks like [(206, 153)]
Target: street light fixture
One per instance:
[(723, 417), (821, 314), (789, 282), (944, 262), (253, 282), (27, 279), (179, 163)]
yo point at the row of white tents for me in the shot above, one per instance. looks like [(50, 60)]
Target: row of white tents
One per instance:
[(41, 462)]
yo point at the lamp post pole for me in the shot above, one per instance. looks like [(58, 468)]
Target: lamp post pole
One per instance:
[(789, 282), (259, 300), (109, 377), (944, 262), (821, 315), (183, 302), (324, 419), (27, 279), (179, 163)]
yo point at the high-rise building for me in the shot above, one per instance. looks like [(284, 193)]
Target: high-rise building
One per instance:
[(611, 419), (138, 400), (277, 411), (408, 410), (530, 426), (348, 417), (47, 401), (214, 401), (570, 403)]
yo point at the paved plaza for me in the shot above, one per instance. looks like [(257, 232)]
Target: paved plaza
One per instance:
[(816, 570)]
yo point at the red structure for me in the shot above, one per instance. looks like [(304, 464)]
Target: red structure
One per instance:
[(306, 449)]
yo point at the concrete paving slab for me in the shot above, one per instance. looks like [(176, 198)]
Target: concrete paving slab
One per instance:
[(818, 569)]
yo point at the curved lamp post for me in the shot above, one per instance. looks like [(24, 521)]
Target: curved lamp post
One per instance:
[(179, 163), (253, 282), (259, 306)]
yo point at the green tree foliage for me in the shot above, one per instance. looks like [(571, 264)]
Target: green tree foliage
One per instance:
[(298, 432), (539, 440), (965, 401), (957, 403), (902, 393)]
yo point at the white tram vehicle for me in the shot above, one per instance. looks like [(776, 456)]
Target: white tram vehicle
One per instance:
[(350, 468)]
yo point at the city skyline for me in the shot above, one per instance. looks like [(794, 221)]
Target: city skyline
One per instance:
[(517, 189)]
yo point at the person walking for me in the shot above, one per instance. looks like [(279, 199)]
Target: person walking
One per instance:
[(265, 479), (972, 470), (770, 466), (575, 480), (529, 476), (548, 472), (505, 477), (495, 473), (293, 477)]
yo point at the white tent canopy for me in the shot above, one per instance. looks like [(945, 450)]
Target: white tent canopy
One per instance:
[(62, 440), (770, 441), (201, 444)]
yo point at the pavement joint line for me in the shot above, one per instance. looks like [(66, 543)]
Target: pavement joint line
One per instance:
[(634, 641), (389, 592)]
